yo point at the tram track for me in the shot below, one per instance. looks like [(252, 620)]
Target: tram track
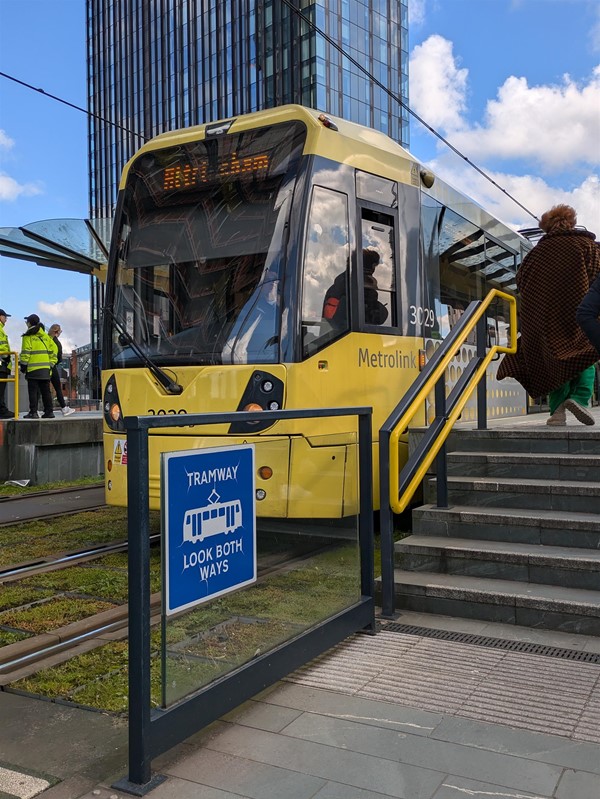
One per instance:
[(31, 568), (42, 650), (39, 652), (38, 505)]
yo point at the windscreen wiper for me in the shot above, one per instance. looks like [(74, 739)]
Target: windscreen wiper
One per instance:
[(170, 386)]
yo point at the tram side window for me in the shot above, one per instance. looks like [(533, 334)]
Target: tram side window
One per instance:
[(325, 308), (462, 264)]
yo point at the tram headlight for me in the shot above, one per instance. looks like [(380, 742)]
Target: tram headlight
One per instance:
[(262, 389), (260, 494), (111, 406)]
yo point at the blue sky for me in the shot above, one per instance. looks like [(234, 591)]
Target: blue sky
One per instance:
[(513, 84)]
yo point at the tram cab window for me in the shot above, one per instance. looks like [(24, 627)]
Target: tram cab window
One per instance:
[(325, 308)]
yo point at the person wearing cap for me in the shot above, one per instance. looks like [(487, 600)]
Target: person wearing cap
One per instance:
[(4, 366), (38, 356)]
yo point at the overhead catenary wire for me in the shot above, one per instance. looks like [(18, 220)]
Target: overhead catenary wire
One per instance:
[(72, 105), (402, 104)]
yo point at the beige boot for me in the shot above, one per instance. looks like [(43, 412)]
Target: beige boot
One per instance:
[(558, 418), (582, 414)]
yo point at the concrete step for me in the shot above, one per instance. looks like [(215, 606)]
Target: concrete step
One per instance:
[(548, 607), (517, 492), (518, 525), (501, 560), (545, 466), (572, 439)]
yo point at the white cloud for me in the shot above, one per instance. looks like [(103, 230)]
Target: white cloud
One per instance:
[(437, 85), (71, 314), (74, 318), (10, 190), (6, 142), (553, 126)]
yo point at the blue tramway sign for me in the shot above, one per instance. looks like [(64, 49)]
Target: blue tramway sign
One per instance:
[(209, 524)]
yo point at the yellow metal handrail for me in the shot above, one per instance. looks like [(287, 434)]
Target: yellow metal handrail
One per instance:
[(399, 503), (14, 379)]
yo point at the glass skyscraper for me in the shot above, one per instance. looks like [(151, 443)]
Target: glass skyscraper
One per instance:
[(156, 65)]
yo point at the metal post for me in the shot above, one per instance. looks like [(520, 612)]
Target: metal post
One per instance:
[(482, 385), (386, 528), (441, 468), (365, 520), (139, 607)]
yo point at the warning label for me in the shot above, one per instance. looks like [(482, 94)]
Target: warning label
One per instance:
[(120, 452)]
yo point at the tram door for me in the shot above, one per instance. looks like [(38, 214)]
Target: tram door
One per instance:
[(377, 270)]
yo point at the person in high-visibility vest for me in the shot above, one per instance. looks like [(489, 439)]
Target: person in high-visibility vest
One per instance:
[(4, 366), (38, 356)]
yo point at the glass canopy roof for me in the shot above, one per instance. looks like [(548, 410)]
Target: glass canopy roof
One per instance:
[(77, 245)]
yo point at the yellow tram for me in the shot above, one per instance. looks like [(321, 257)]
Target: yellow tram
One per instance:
[(286, 259)]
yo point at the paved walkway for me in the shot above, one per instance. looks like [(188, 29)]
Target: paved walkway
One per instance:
[(393, 715), (390, 715)]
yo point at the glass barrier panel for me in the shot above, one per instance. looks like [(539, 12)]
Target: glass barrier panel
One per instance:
[(308, 570)]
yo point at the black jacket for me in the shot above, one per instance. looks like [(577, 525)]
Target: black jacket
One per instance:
[(588, 313), (56, 340)]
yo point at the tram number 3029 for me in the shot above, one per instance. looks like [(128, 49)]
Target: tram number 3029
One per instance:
[(421, 316)]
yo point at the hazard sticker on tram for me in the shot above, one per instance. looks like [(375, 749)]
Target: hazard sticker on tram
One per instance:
[(209, 524)]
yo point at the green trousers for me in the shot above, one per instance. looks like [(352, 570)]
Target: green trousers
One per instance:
[(580, 389)]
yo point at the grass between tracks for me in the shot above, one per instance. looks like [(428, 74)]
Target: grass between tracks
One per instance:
[(11, 490), (201, 645)]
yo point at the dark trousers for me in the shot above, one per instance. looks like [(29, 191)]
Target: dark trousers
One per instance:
[(35, 388), (3, 409), (55, 380)]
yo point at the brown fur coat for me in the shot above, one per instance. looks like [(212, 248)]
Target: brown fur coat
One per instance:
[(552, 281)]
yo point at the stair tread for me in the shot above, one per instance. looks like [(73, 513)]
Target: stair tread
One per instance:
[(553, 518), (530, 593), (575, 432), (525, 457), (539, 553), (525, 484)]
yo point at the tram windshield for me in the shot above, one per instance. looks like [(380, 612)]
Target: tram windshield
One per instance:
[(201, 237)]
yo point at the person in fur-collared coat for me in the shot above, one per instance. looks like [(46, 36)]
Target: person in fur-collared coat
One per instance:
[(554, 356)]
